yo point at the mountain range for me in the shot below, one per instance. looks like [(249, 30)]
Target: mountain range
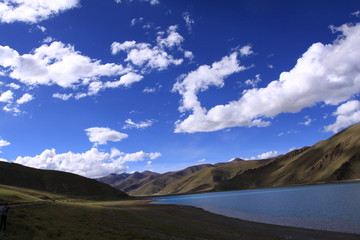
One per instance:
[(331, 160)]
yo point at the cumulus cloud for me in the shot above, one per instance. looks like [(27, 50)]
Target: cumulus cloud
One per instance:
[(92, 163), (101, 135), (346, 114), (140, 125), (25, 98), (145, 56), (172, 39), (200, 80), (148, 57), (328, 74), (6, 96), (33, 11), (55, 63)]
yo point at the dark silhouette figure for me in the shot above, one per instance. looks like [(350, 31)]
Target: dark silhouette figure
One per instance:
[(4, 214)]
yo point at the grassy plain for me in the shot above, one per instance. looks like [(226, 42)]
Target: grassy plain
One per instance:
[(56, 217)]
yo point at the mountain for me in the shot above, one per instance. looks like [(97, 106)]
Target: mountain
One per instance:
[(68, 184), (335, 159), (331, 160), (149, 183), (114, 178)]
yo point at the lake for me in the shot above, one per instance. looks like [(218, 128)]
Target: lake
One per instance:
[(332, 207)]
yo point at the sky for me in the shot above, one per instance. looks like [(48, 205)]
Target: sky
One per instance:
[(110, 86)]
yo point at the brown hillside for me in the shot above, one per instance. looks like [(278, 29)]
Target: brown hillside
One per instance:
[(55, 182)]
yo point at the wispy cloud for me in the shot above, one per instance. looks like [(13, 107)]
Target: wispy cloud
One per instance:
[(140, 125), (189, 21)]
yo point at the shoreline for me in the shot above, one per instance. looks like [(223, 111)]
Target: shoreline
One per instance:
[(139, 219), (251, 229)]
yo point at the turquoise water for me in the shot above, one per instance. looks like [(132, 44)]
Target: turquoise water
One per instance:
[(332, 207)]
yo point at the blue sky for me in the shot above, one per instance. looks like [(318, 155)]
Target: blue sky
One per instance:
[(107, 86)]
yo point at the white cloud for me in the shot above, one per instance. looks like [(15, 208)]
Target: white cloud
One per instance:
[(346, 114), (56, 63), (92, 163), (101, 135), (138, 156), (115, 152), (33, 11), (148, 57), (41, 28), (325, 73), (152, 89), (266, 155), (11, 109), (246, 50), (152, 2), (254, 82), (135, 21), (307, 122), (48, 40), (63, 97), (125, 80), (270, 66), (172, 39), (145, 56), (25, 98), (149, 90), (4, 143), (13, 85), (189, 55), (356, 14), (144, 124), (201, 160), (6, 96), (188, 21), (200, 80)]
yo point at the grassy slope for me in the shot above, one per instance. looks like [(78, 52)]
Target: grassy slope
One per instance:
[(154, 184), (140, 220), (335, 159), (13, 195), (207, 179), (56, 182)]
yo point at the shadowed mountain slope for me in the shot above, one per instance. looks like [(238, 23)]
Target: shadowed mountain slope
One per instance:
[(56, 182)]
